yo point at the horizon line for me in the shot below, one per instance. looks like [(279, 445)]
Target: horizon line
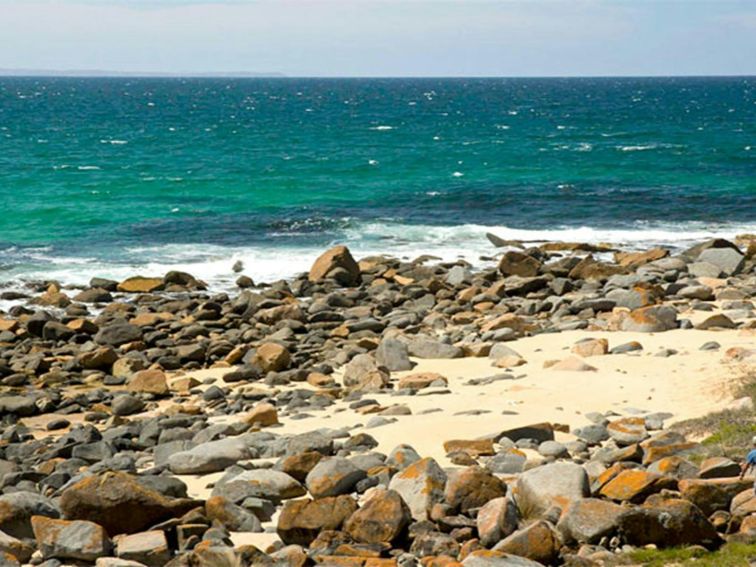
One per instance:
[(96, 74)]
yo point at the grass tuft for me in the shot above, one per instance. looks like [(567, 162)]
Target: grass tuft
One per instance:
[(729, 555)]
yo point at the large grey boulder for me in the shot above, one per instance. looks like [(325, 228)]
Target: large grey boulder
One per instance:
[(556, 484), (259, 483), (421, 485), (588, 520), (17, 508), (430, 348), (209, 457), (729, 260), (333, 476), (79, 539), (393, 354)]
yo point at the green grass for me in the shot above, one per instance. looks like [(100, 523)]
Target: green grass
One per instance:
[(730, 555), (727, 433)]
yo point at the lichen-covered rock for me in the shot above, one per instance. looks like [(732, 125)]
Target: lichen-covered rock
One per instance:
[(472, 487), (496, 520), (381, 519), (62, 539), (119, 503), (556, 484), (588, 520), (301, 521), (667, 523), (17, 509), (537, 541), (421, 485)]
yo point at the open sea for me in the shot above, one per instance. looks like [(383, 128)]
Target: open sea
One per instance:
[(118, 176)]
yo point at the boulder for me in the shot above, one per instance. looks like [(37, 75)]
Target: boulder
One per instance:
[(627, 430), (537, 541), (393, 354), (118, 334), (635, 259), (263, 414), (729, 260), (140, 284), (472, 487), (17, 509), (234, 518), (148, 548), (61, 539), (19, 549), (421, 380), (381, 519), (209, 457), (421, 485), (301, 521), (668, 523), (259, 483), (634, 485), (556, 484), (149, 382), (496, 520), (589, 520), (100, 358), (515, 263), (272, 357), (21, 406), (572, 364), (651, 319), (119, 503), (591, 347), (433, 349), (363, 373), (333, 476), (337, 263)]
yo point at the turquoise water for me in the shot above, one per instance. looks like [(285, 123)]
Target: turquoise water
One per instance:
[(112, 176)]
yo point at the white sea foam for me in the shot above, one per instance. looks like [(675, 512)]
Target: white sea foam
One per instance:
[(382, 128), (88, 168), (265, 263)]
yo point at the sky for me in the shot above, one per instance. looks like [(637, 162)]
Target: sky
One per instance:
[(383, 37)]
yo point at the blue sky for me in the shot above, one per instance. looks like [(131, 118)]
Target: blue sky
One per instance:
[(383, 37)]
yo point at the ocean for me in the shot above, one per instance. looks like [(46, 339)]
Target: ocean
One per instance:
[(120, 176)]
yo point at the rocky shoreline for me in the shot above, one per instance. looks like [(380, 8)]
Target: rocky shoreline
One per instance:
[(151, 422)]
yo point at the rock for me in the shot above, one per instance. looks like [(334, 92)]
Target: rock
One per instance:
[(593, 433), (21, 550), (22, 406), (719, 467), (118, 334), (421, 485), (429, 348), (473, 447), (62, 539), (669, 523), (98, 359), (259, 483), (299, 465), (119, 503), (126, 405), (301, 521), (336, 260), (632, 346), (17, 509), (496, 520), (590, 269), (487, 558), (93, 295), (149, 548), (634, 485), (140, 284), (471, 488), (209, 457), (539, 432), (232, 517), (515, 263), (393, 354), (589, 520), (635, 259), (149, 382), (421, 380), (272, 357), (711, 495), (728, 260), (628, 430), (718, 321), (652, 319), (537, 541), (573, 364), (363, 373), (263, 414), (333, 476), (556, 484), (381, 519), (591, 347)]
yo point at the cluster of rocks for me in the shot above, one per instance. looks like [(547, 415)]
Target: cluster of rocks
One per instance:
[(114, 363)]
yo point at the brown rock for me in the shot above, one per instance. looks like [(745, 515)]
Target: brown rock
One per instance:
[(496, 520), (263, 414), (301, 521), (634, 485), (420, 380), (473, 447), (273, 357), (635, 259), (591, 347), (381, 519), (538, 541), (471, 488), (140, 284), (515, 263), (572, 364), (149, 382), (651, 319), (299, 465), (711, 495), (589, 269), (337, 259), (148, 548), (119, 503)]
